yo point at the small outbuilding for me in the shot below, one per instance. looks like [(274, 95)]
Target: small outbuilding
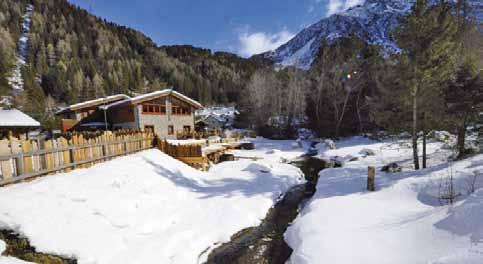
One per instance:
[(15, 122)]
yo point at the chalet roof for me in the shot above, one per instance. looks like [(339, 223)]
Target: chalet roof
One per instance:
[(16, 118), (150, 96), (93, 103)]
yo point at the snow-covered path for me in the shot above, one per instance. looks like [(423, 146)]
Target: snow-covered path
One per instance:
[(402, 222), (144, 208)]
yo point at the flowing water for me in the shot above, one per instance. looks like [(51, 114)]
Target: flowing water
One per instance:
[(264, 244)]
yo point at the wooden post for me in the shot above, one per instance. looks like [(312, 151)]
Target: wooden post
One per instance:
[(6, 166), (371, 178), (49, 161), (27, 160), (16, 149)]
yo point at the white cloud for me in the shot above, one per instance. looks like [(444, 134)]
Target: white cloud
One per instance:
[(259, 42), (311, 9), (336, 6)]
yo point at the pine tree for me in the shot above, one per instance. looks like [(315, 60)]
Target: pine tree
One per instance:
[(426, 39), (464, 97)]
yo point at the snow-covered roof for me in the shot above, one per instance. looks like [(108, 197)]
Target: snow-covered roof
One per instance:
[(93, 103), (153, 95), (16, 118)]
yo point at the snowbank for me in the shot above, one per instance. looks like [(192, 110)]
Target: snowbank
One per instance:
[(402, 222), (143, 208)]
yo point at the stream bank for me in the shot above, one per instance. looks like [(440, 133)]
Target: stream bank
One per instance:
[(20, 248), (265, 243)]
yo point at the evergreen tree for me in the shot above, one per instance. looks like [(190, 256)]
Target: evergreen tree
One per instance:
[(464, 97), (426, 39)]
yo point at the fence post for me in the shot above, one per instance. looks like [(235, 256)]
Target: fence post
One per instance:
[(5, 151), (49, 162), (371, 177), (18, 161), (27, 160)]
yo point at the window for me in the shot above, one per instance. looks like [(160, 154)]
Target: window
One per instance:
[(149, 128), (154, 109), (187, 129), (170, 130), (176, 110)]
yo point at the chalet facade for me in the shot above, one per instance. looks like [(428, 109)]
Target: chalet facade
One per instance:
[(87, 115), (167, 113)]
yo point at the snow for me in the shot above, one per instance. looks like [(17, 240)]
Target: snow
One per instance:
[(15, 118), (98, 101), (144, 208), (8, 260), (302, 58), (154, 94), (404, 221), (16, 80)]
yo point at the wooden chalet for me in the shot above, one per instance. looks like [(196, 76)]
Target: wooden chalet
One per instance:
[(87, 115), (168, 113)]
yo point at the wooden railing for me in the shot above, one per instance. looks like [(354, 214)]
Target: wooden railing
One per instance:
[(197, 135), (24, 159), (190, 154)]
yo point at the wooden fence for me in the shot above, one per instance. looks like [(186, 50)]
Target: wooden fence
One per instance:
[(23, 159)]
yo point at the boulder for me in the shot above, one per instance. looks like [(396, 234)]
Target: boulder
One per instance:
[(405, 135), (257, 167), (367, 152), (442, 136), (330, 144), (353, 159), (391, 167), (338, 161), (247, 145), (227, 157)]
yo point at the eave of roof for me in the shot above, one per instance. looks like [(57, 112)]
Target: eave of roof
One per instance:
[(92, 103), (150, 96)]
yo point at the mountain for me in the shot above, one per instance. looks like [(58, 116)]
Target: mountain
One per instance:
[(372, 21)]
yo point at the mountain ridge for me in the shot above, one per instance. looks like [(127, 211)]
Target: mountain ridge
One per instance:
[(373, 21)]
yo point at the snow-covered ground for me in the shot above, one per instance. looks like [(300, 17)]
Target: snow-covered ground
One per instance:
[(404, 221), (144, 208)]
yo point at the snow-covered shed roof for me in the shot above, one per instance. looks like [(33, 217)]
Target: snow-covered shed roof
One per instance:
[(93, 103), (16, 118), (150, 96)]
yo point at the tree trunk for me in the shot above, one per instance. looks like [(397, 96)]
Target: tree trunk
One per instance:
[(358, 109), (341, 117), (415, 132), (424, 141), (461, 140), (424, 149)]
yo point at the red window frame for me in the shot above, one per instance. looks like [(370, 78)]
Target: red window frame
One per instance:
[(154, 109)]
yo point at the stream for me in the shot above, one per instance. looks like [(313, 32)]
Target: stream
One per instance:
[(265, 243)]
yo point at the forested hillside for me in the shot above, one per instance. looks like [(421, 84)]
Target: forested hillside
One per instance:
[(74, 56)]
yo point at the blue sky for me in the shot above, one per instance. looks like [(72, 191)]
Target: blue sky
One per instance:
[(245, 27)]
